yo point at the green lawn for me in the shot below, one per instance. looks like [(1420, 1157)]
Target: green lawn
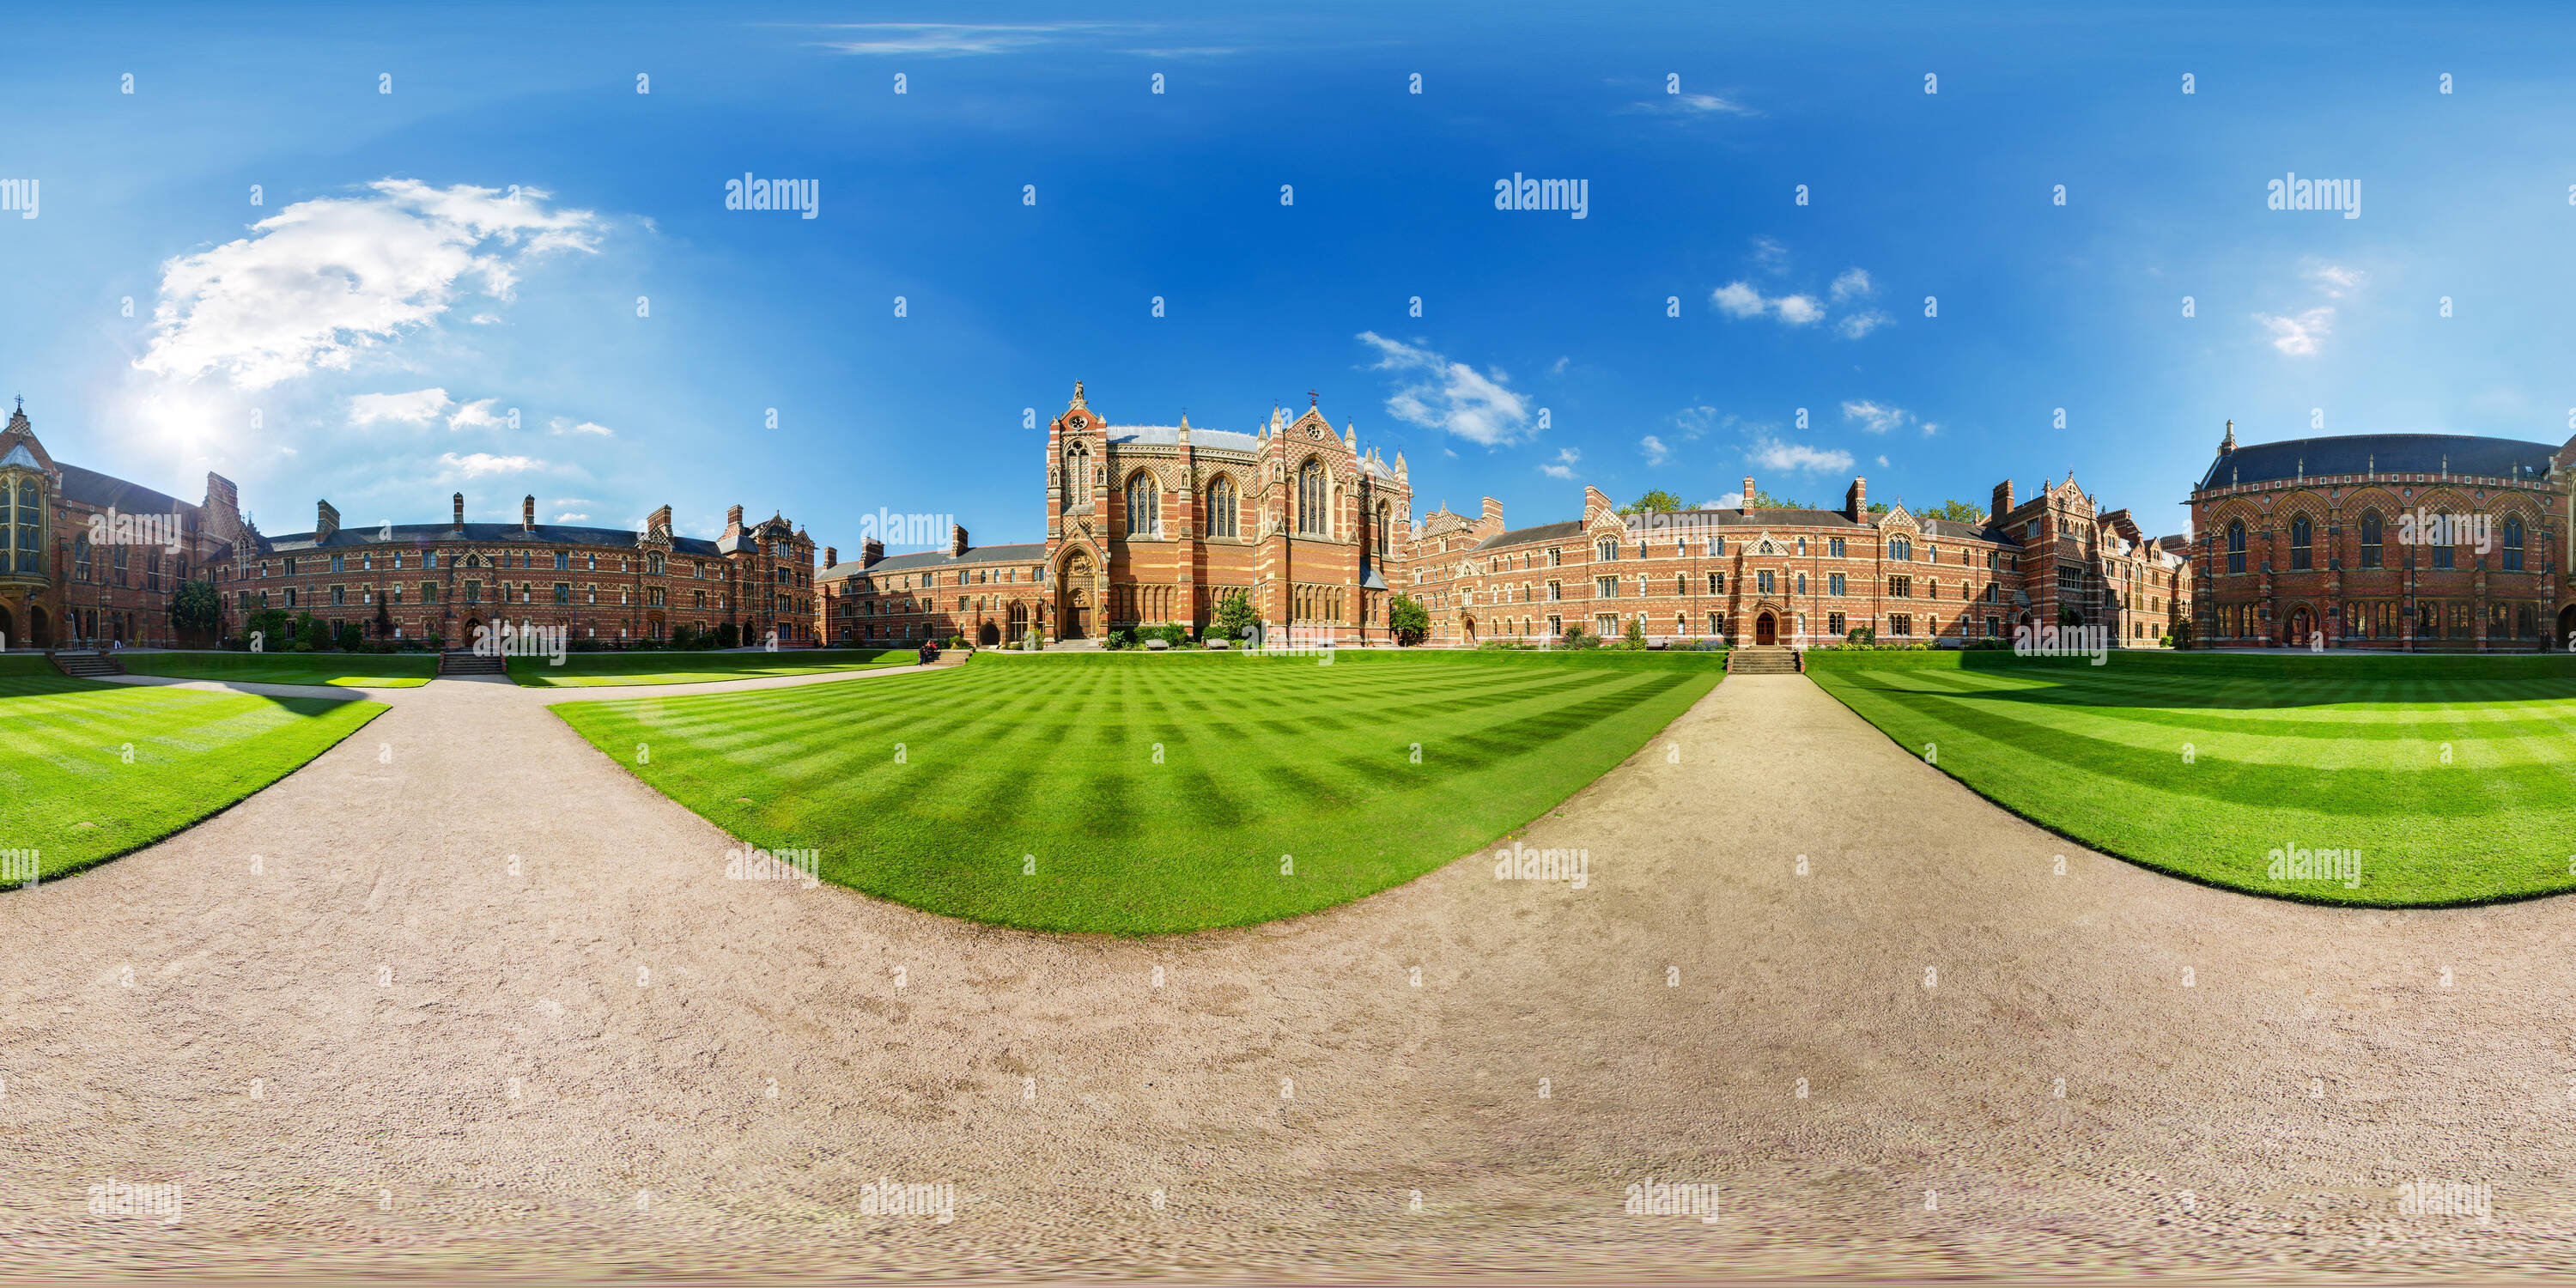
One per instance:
[(69, 791), (1158, 793), (2455, 777), (347, 670), (584, 670)]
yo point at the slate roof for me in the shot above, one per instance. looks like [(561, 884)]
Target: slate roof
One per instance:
[(1028, 552), (1685, 520), (1170, 436), (2294, 458), (422, 534), (89, 487)]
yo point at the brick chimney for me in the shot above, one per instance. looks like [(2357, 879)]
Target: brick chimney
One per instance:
[(1493, 515), (457, 503), (1856, 501), (831, 555), (659, 522), (1746, 506), (2003, 501), (325, 521), (870, 551), (733, 519), (528, 513), (956, 539)]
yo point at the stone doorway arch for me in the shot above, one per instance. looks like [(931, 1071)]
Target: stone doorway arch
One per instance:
[(1766, 628)]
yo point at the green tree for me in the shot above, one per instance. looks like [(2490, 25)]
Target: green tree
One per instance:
[(1957, 512), (311, 635), (196, 609), (1409, 619), (1635, 636), (1876, 507), (1234, 616), (1765, 501), (1657, 501), (728, 635)]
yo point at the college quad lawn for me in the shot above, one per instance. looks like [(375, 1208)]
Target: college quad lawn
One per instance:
[(581, 670), (68, 791), (1152, 793), (346, 670), (2455, 777)]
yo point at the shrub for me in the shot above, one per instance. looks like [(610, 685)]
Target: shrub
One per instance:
[(1234, 616), (1578, 638), (1861, 635), (1120, 637), (1410, 621)]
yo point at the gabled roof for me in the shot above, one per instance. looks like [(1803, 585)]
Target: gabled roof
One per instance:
[(1567, 530), (423, 534), (2295, 458), (1028, 552)]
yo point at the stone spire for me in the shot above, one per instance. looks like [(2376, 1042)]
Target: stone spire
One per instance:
[(18, 418), (1077, 395), (2228, 444)]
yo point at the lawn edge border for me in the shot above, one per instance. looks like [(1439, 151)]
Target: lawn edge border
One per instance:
[(2314, 901)]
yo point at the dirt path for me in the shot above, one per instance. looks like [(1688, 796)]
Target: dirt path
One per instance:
[(491, 987)]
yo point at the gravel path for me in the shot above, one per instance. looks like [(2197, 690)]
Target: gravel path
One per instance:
[(490, 987)]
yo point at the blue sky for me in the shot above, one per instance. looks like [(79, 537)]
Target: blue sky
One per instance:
[(364, 332)]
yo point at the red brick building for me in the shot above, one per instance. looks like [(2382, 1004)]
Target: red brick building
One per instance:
[(432, 580), (87, 558), (1153, 523), (1799, 576), (2384, 541)]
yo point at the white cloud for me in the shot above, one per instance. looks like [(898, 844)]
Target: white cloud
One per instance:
[(1770, 256), (561, 425), (1737, 300), (1559, 368), (1853, 284), (477, 415), (570, 518), (1437, 393), (2298, 336), (1741, 300), (323, 280), (1654, 449), (419, 407), (477, 464), (1774, 454), (1564, 466), (1855, 325), (1882, 460), (1931, 427), (947, 38), (1691, 106), (2337, 280), (1730, 501), (1875, 418), (1695, 421), (572, 500)]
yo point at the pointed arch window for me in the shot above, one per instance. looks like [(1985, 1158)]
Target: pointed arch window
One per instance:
[(1385, 525), (1900, 550), (2236, 546), (1140, 504), (1222, 511), (2303, 537), (22, 529), (2513, 543), (1077, 475), (2373, 532), (1312, 520)]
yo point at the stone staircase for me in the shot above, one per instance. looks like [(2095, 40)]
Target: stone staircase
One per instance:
[(463, 661), (86, 665), (1763, 659)]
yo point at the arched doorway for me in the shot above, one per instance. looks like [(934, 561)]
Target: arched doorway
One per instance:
[(988, 634), (2302, 623), (2566, 628), (1075, 616), (1766, 629), (473, 632), (1467, 624), (40, 629)]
